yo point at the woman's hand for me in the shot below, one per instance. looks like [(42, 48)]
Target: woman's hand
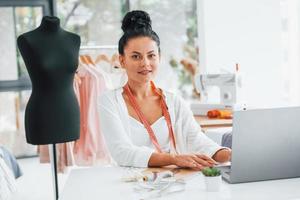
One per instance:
[(195, 161), (223, 155)]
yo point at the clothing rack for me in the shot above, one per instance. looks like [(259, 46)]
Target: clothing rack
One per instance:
[(109, 51)]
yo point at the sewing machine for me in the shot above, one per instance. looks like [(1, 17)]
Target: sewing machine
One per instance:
[(217, 91)]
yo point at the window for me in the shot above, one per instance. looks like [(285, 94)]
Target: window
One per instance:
[(16, 17), (97, 22)]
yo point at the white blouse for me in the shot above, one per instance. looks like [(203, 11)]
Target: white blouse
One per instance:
[(140, 137), (128, 149)]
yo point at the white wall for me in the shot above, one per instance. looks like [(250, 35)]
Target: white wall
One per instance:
[(291, 41), (248, 33)]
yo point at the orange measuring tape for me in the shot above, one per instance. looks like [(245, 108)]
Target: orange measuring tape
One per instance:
[(143, 119)]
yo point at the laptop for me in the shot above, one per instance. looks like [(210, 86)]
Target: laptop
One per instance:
[(265, 145)]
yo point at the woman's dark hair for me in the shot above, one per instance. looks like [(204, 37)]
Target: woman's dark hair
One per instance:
[(135, 24)]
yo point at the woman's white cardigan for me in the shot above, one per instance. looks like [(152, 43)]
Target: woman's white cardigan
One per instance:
[(114, 123)]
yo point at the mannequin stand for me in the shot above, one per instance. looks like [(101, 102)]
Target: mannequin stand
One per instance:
[(52, 152)]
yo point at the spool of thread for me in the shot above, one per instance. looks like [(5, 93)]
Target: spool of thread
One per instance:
[(156, 176)]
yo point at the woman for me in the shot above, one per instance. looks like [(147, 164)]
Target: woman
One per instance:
[(145, 126)]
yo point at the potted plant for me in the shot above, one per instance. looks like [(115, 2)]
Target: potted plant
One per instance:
[(213, 179)]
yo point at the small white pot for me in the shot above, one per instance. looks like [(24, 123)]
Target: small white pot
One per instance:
[(213, 183)]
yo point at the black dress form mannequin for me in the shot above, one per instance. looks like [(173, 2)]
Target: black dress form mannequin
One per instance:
[(51, 57)]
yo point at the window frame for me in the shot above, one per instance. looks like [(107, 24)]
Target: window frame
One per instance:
[(48, 8)]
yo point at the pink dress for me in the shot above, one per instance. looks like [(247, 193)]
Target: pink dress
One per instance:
[(90, 149)]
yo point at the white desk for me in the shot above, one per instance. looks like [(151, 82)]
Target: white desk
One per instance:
[(105, 183)]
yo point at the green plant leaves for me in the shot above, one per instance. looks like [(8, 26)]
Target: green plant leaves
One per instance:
[(211, 171)]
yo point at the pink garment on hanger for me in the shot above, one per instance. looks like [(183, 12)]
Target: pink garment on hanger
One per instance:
[(103, 154), (90, 148)]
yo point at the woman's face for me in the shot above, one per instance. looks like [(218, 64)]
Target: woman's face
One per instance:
[(140, 59)]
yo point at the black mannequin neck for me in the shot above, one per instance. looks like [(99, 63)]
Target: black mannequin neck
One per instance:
[(50, 24)]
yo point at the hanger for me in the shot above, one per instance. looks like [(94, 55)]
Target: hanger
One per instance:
[(115, 60), (83, 59), (102, 57), (87, 59)]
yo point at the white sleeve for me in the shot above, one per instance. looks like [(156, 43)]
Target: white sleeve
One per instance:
[(197, 141), (119, 144)]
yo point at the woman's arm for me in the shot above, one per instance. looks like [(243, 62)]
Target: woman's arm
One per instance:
[(222, 155), (161, 159), (120, 146), (195, 161), (197, 141)]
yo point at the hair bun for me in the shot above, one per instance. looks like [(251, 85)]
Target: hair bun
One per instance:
[(135, 20)]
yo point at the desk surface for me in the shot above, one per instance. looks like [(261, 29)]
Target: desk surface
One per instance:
[(207, 123), (105, 183)]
